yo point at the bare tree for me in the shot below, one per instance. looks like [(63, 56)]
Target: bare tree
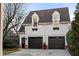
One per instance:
[(13, 14)]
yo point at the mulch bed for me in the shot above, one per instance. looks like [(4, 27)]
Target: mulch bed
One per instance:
[(71, 52)]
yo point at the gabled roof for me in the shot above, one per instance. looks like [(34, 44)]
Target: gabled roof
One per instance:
[(22, 29), (46, 15)]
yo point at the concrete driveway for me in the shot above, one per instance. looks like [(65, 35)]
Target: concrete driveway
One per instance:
[(41, 52)]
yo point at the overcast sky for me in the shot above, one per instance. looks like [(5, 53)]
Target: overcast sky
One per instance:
[(41, 6)]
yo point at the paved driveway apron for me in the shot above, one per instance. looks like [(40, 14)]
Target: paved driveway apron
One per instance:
[(41, 52)]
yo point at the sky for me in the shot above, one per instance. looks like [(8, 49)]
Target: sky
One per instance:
[(42, 6)]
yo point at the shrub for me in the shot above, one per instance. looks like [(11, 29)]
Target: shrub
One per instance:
[(70, 38), (11, 43)]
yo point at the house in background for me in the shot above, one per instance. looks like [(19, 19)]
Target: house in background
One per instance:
[(45, 26)]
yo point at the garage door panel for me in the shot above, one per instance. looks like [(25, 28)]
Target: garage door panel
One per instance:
[(35, 42), (57, 42)]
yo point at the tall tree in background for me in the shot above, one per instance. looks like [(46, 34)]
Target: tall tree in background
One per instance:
[(75, 29), (13, 14)]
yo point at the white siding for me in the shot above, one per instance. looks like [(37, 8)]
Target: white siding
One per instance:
[(45, 31), (20, 38)]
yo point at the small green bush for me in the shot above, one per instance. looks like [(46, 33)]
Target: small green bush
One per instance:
[(11, 43), (70, 38)]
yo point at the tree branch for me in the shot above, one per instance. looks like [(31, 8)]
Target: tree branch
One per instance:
[(12, 27)]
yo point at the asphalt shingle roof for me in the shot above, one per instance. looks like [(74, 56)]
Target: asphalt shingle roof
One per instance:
[(22, 29), (46, 15)]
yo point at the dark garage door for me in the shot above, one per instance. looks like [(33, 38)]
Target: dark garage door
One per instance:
[(35, 42), (57, 42)]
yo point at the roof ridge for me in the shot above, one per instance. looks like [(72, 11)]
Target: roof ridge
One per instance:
[(49, 9), (46, 15)]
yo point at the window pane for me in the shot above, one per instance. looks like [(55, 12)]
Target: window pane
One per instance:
[(56, 21), (34, 22)]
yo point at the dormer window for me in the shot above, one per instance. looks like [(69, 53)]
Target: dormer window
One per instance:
[(35, 20), (56, 19)]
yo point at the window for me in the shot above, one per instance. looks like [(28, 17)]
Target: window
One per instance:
[(35, 19), (35, 22), (34, 29), (56, 18), (56, 21), (55, 28)]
